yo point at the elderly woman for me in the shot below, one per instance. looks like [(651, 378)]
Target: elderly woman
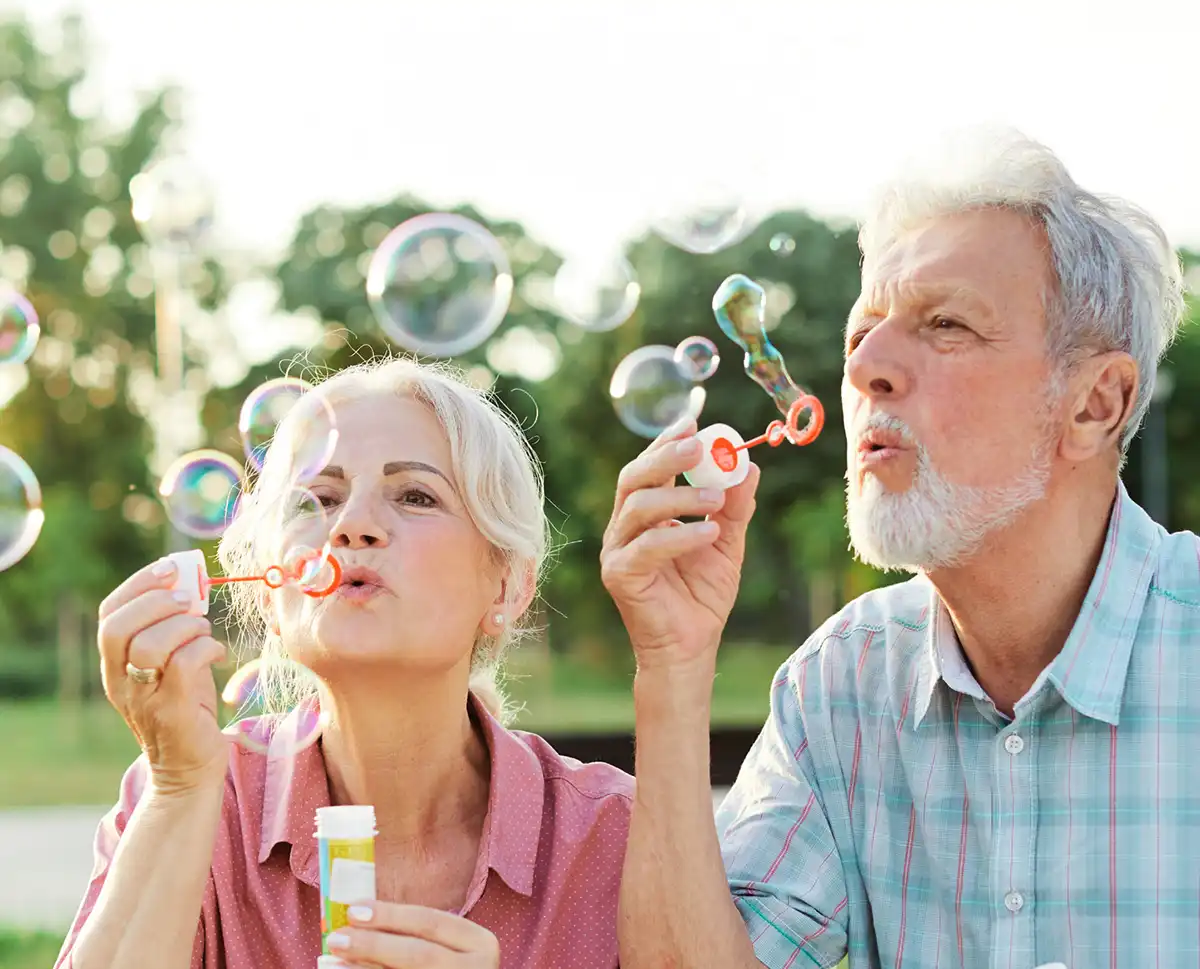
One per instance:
[(492, 849)]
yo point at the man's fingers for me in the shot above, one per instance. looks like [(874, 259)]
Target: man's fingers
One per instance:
[(734, 516), (652, 549), (654, 507)]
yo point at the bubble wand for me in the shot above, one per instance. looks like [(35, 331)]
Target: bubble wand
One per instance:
[(191, 576), (740, 306)]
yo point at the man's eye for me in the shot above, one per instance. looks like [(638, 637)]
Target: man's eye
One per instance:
[(945, 323)]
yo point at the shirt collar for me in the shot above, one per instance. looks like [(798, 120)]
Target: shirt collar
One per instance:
[(1089, 672), (297, 785)]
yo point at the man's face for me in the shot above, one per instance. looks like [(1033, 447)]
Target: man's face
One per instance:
[(948, 392)]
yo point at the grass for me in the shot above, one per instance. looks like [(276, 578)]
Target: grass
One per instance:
[(54, 756), (20, 949)]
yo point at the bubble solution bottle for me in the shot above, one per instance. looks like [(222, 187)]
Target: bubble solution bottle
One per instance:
[(346, 844)]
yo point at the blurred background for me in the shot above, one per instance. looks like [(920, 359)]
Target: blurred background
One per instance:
[(626, 157)]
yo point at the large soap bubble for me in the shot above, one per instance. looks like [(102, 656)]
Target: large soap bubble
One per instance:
[(439, 284)]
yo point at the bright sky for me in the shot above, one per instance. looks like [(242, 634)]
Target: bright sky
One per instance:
[(576, 116)]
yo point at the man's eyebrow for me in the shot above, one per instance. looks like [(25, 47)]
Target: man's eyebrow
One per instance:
[(926, 295)]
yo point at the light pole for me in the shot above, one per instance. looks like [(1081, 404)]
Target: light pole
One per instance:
[(1155, 488), (173, 207)]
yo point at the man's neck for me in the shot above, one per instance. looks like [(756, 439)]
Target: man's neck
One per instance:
[(1015, 603)]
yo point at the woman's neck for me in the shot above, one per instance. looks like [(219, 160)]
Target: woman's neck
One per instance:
[(413, 751)]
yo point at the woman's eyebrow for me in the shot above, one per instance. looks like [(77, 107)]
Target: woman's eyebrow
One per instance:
[(398, 467)]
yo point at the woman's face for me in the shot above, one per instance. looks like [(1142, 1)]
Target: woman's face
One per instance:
[(419, 580)]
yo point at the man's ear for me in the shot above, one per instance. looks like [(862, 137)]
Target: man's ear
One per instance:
[(1102, 390)]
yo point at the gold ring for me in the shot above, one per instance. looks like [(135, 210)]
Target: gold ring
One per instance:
[(139, 675)]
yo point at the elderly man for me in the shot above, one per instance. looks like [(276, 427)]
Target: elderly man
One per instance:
[(996, 763)]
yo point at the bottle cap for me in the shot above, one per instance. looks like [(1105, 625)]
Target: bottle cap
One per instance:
[(346, 821)]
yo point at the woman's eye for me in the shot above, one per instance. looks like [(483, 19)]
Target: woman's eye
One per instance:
[(327, 501), (416, 497)]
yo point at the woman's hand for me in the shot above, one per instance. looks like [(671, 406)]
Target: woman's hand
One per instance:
[(174, 717), (413, 937), (674, 584)]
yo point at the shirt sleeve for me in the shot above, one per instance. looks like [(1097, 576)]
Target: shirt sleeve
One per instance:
[(108, 836), (780, 856)]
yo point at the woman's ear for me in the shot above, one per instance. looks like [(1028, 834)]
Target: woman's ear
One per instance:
[(515, 595), (266, 610)]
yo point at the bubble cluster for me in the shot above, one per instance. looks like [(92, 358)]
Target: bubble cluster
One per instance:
[(649, 390), (596, 295), (253, 722), (21, 515), (200, 492), (19, 328), (439, 284), (782, 244), (697, 357)]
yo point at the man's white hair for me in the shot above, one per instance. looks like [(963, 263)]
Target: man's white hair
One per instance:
[(1119, 283)]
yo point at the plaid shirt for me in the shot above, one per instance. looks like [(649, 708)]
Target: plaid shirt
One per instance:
[(887, 809)]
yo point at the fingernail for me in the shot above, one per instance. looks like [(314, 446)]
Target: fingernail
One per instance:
[(360, 913), (687, 447), (181, 597), (710, 496), (163, 568), (337, 941)]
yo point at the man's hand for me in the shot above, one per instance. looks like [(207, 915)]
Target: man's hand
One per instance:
[(674, 584)]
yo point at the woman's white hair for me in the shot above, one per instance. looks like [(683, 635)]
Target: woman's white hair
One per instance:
[(1119, 284), (491, 462)]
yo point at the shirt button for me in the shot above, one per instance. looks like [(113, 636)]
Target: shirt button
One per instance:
[(1013, 743), (1014, 901)]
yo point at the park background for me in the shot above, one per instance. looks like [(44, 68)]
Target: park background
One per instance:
[(323, 127)]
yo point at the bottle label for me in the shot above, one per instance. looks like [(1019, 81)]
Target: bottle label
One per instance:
[(347, 876)]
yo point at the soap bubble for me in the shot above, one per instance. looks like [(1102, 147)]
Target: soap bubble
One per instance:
[(697, 357), (310, 569), (783, 244), (251, 723), (597, 295), (200, 492), (705, 222), (172, 204), (439, 284), (649, 391), (19, 328), (21, 515), (314, 436)]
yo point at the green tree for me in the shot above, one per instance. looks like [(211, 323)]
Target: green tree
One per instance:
[(70, 244)]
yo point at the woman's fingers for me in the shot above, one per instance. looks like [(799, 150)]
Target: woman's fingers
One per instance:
[(401, 936), (121, 625), (153, 647), (156, 575)]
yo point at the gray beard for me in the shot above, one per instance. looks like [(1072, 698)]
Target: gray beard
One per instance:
[(935, 524)]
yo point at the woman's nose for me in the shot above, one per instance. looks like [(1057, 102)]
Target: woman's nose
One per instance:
[(358, 527)]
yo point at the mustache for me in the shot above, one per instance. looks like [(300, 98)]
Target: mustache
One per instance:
[(879, 421)]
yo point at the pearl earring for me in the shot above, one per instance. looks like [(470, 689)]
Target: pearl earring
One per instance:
[(498, 619)]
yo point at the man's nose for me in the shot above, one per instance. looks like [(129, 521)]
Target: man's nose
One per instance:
[(876, 367)]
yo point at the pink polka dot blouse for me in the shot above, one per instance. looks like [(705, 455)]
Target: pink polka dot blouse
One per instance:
[(546, 877)]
